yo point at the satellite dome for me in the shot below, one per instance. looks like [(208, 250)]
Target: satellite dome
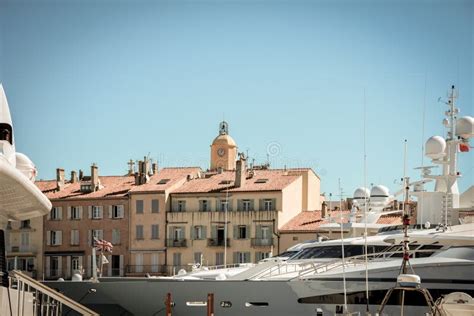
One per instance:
[(379, 191), (361, 193), (435, 147), (465, 127), (76, 277), (26, 166)]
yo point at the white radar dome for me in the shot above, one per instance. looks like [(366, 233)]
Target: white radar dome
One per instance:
[(465, 127), (361, 193), (379, 191), (26, 166), (435, 147)]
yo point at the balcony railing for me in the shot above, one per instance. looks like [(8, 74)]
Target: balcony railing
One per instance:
[(261, 242), (176, 243), (217, 242)]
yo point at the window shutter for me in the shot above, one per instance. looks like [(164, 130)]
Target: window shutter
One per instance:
[(274, 204), (88, 266), (261, 206), (258, 256), (89, 209), (247, 231), (59, 238), (109, 265), (60, 213), (214, 231), (101, 234), (204, 232), (201, 205), (236, 257), (101, 212), (229, 207), (110, 211), (80, 212), (48, 239), (247, 257), (258, 231), (68, 267), (236, 231), (121, 265), (252, 205), (60, 267), (48, 266), (240, 205), (89, 237), (68, 212), (193, 228), (184, 206), (121, 211), (183, 232), (72, 237), (81, 265)]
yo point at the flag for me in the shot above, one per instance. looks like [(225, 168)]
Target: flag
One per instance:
[(103, 245), (463, 147)]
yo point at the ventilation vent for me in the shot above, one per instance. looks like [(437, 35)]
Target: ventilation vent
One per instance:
[(163, 181), (225, 182), (261, 181)]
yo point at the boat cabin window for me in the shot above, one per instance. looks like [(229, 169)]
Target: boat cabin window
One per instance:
[(6, 133)]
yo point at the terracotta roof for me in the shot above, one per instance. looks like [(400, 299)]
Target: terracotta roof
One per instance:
[(308, 221), (263, 180), (118, 186), (112, 186), (390, 219), (166, 179)]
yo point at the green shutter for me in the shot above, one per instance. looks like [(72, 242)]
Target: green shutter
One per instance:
[(274, 204), (247, 231), (247, 257), (214, 231), (192, 232), (258, 231), (240, 205), (252, 205), (261, 204), (204, 232), (236, 231), (236, 257), (230, 204)]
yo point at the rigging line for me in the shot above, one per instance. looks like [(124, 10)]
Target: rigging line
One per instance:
[(365, 208), (423, 116), (342, 246)]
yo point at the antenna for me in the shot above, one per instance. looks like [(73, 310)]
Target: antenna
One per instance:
[(342, 246)]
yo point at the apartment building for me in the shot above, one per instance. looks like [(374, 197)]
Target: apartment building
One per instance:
[(83, 208), (149, 202), (24, 246)]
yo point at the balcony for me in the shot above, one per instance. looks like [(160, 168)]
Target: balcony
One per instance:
[(262, 242), (22, 249), (217, 242), (176, 243)]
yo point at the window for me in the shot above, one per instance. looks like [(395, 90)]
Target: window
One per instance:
[(204, 206), (75, 263), (97, 234), (116, 236), (246, 205), (117, 211), (177, 259), (55, 214), (139, 232), (224, 206), (155, 232), (139, 206), (25, 224), (74, 237), (198, 232), (265, 232), (268, 205), (219, 258), (198, 257), (178, 233), (181, 206), (55, 238), (241, 257), (261, 255), (241, 232), (54, 266), (96, 212), (75, 212), (155, 206), (25, 241)]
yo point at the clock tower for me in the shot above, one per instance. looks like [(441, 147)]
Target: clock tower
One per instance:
[(223, 149)]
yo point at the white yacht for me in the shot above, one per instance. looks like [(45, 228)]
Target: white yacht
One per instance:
[(311, 282)]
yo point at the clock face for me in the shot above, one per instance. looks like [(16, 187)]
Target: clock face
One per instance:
[(221, 152)]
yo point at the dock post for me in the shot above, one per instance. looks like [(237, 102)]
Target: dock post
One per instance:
[(168, 304), (210, 304)]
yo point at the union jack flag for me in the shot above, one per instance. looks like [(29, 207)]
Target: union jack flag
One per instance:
[(103, 245)]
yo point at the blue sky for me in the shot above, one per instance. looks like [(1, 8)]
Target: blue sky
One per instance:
[(106, 81)]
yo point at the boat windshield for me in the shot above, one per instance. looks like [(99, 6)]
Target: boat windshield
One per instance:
[(335, 251)]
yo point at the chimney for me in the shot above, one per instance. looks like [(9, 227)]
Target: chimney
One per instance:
[(146, 167), (94, 177), (73, 176), (240, 172), (324, 210), (60, 181), (81, 174), (154, 168)]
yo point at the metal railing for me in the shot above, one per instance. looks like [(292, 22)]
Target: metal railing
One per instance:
[(176, 243), (217, 242), (304, 268), (261, 242), (45, 301)]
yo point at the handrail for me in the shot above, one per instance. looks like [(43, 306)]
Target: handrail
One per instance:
[(61, 298)]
